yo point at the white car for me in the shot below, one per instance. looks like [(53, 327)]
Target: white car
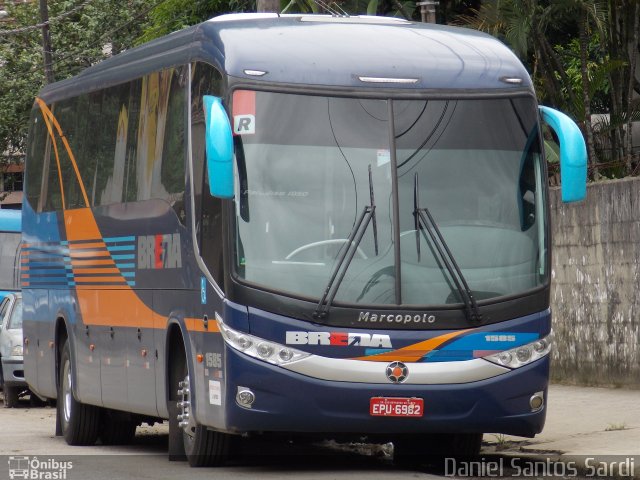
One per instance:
[(12, 366)]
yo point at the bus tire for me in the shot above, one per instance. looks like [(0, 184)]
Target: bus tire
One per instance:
[(11, 394), (206, 448), (80, 423), (202, 447)]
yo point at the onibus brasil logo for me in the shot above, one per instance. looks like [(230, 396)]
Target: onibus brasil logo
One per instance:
[(35, 469)]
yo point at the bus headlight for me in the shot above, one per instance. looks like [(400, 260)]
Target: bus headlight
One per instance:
[(524, 354), (259, 348), (16, 351)]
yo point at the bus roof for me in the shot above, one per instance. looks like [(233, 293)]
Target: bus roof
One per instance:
[(321, 51), (10, 220)]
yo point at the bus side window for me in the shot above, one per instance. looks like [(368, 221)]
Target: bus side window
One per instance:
[(172, 174), (210, 235), (206, 80), (35, 164)]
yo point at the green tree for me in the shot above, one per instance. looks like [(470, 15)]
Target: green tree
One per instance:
[(623, 41), (595, 39), (83, 33), (172, 15)]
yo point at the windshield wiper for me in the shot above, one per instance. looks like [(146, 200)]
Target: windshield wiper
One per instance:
[(425, 222), (346, 255)]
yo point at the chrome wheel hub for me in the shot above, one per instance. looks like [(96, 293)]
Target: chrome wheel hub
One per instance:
[(66, 390), (185, 420)]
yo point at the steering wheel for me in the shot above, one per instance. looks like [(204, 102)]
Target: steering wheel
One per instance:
[(323, 243)]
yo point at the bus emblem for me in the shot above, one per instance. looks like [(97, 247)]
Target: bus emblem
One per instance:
[(397, 372)]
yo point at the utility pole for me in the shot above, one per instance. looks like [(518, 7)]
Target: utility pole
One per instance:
[(46, 42), (428, 10), (268, 6)]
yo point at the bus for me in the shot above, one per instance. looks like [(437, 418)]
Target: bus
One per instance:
[(10, 236), (322, 226)]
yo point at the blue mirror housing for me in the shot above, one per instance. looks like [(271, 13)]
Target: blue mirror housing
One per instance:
[(219, 148), (573, 154)]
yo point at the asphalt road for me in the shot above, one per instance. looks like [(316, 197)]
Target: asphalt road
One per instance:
[(27, 440)]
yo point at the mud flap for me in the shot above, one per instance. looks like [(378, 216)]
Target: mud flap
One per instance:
[(58, 426), (176, 443)]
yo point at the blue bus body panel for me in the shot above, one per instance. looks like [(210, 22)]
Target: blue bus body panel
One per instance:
[(10, 220), (290, 402), (465, 346), (321, 51), (301, 53)]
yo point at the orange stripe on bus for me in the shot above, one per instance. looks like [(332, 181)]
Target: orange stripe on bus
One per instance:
[(197, 325), (412, 353), (123, 308), (114, 308), (47, 115), (95, 271), (75, 255), (81, 225), (47, 111), (90, 263), (96, 279)]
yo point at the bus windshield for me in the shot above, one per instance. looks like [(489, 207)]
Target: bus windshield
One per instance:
[(303, 180), (9, 260)]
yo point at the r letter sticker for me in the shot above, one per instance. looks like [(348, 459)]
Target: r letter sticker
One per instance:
[(244, 112)]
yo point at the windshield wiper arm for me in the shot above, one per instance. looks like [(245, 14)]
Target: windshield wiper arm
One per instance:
[(346, 255), (424, 221)]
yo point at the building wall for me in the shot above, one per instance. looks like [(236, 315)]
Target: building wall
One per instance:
[(596, 283)]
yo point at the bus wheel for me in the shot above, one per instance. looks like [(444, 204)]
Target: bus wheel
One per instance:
[(11, 394), (203, 447), (80, 423)]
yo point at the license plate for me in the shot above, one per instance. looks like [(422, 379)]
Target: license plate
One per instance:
[(396, 407)]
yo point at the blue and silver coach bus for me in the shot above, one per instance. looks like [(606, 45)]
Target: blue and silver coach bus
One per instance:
[(305, 224), (10, 228)]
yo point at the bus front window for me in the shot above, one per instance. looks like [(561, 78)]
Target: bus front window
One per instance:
[(302, 181)]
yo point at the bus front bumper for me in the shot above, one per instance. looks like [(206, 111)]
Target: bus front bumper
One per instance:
[(290, 402)]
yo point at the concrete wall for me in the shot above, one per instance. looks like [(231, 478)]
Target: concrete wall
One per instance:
[(595, 295)]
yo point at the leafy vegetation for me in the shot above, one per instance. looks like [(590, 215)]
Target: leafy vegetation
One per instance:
[(95, 30), (581, 53)]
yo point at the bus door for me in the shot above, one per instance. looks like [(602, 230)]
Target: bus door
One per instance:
[(112, 347), (141, 357)]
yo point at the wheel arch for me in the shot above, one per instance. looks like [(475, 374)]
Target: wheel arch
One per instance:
[(178, 350), (62, 333)]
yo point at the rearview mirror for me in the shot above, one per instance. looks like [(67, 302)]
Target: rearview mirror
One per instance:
[(219, 148), (573, 154)]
